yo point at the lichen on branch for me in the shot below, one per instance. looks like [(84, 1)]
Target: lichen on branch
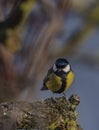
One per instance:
[(51, 114)]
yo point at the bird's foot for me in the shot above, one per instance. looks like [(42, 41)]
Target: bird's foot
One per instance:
[(66, 99), (53, 98)]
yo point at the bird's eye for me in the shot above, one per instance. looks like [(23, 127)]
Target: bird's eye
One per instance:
[(67, 68), (54, 68)]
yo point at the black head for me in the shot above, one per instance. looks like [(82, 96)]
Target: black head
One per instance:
[(61, 65)]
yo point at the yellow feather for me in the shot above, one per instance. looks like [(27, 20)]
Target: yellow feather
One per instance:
[(69, 79), (54, 82)]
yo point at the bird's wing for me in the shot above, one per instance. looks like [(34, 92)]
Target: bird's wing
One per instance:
[(46, 79)]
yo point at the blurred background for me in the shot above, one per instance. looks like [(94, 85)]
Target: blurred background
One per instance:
[(33, 34)]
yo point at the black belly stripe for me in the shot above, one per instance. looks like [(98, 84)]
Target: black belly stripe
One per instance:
[(63, 87)]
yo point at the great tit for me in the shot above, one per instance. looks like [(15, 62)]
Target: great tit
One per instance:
[(59, 77)]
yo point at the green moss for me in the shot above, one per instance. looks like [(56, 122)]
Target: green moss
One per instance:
[(63, 115), (59, 114), (53, 126)]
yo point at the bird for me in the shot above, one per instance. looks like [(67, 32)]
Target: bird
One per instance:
[(59, 77)]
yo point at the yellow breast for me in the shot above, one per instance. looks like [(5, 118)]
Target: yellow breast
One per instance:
[(69, 79), (54, 82)]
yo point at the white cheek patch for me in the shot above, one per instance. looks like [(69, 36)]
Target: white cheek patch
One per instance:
[(67, 68), (54, 68)]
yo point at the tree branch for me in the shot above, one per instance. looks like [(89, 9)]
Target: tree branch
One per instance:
[(58, 114)]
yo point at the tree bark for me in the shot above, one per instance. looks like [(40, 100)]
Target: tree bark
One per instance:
[(48, 114)]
